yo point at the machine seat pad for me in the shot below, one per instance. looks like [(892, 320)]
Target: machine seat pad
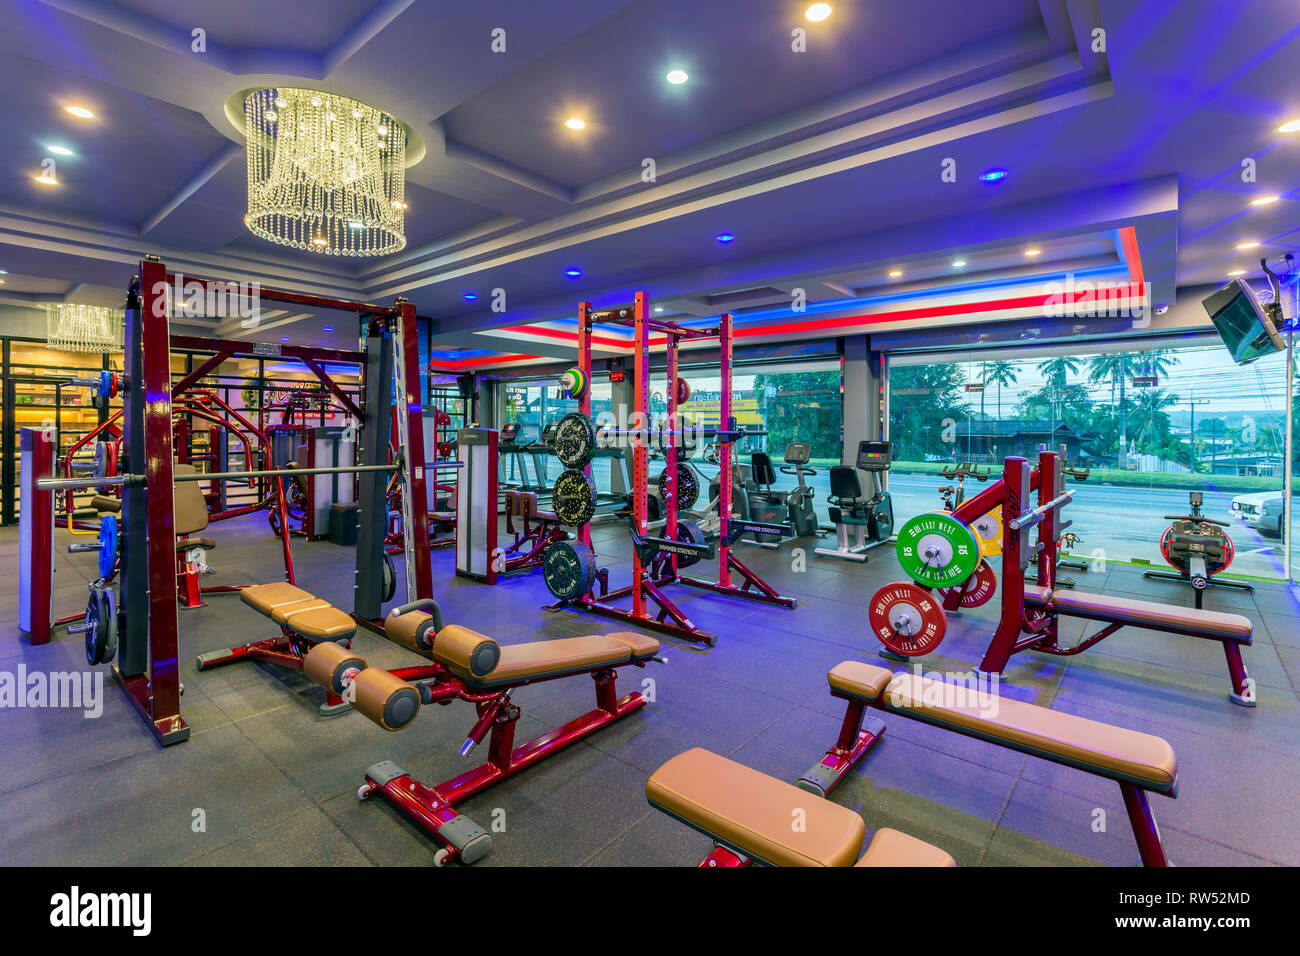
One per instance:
[(858, 679), (561, 656), (184, 543), (1090, 745), (1148, 614), (892, 848), (750, 812), (267, 597), (321, 623), (105, 503)]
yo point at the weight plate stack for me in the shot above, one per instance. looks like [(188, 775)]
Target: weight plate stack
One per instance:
[(569, 569), (573, 498), (575, 440)]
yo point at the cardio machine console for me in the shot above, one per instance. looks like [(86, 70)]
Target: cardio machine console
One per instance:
[(875, 455), (798, 453)]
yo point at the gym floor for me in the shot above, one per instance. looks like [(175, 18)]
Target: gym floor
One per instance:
[(277, 782)]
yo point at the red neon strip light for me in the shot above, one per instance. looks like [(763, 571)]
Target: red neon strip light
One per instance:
[(1128, 241)]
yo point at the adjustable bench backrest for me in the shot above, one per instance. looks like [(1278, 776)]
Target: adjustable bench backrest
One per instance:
[(189, 507)]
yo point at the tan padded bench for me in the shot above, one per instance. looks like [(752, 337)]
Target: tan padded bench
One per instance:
[(1155, 617), (1113, 752), (530, 508), (299, 610), (482, 663), (750, 813)]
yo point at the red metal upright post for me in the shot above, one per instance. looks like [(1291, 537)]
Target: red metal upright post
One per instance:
[(36, 535), (584, 403), (413, 407), (724, 475), (640, 425)]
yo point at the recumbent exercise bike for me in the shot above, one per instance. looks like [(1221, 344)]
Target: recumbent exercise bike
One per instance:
[(871, 518)]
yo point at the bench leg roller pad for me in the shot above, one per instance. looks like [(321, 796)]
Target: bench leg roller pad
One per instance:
[(825, 775)]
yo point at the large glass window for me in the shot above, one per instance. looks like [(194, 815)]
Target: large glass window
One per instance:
[(1154, 424), (533, 404)]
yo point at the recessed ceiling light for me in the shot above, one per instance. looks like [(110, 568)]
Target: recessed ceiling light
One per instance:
[(1290, 127), (328, 328), (59, 150), (959, 263), (80, 111), (726, 237), (574, 123), (1033, 252), (284, 338), (1249, 244), (677, 77), (470, 296), (659, 308), (1264, 200), (1236, 272), (818, 11), (895, 273), (46, 179), (573, 273), (992, 175)]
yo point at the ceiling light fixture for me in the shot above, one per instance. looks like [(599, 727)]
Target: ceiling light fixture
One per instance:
[(1248, 244), (726, 237), (677, 77), (46, 179), (573, 273), (895, 273), (83, 328), (574, 123), (818, 12), (1290, 127), (328, 329), (1236, 272), (59, 150), (1264, 200), (659, 308), (959, 263), (992, 175), (80, 111), (317, 178), (470, 296), (1033, 252)]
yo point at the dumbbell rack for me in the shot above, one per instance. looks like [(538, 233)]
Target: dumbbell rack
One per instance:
[(647, 587)]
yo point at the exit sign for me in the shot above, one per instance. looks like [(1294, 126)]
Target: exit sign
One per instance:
[(616, 376)]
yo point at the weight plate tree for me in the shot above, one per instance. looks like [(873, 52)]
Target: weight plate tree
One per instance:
[(988, 532), (573, 498), (936, 550), (982, 586), (569, 569), (906, 619), (575, 440)]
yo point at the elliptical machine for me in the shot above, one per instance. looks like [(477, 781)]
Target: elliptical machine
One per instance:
[(871, 518), (1198, 549)]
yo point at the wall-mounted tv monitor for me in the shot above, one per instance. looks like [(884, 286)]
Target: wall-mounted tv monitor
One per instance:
[(1242, 323)]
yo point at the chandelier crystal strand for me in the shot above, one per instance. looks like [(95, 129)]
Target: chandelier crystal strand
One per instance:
[(325, 173), (83, 328)]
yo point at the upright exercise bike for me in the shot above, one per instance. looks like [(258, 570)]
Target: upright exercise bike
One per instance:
[(1198, 549), (871, 518)]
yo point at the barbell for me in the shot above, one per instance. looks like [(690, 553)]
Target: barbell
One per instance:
[(135, 481)]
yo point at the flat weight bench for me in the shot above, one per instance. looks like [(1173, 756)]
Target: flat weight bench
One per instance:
[(472, 667), (756, 819), (1232, 630), (1139, 763), (305, 621)]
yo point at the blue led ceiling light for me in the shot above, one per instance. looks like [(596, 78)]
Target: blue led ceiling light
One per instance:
[(470, 296), (328, 328), (573, 273), (992, 175), (726, 237)]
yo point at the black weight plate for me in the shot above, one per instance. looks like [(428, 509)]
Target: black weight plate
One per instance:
[(574, 440), (108, 624), (689, 533), (573, 498), (569, 568), (688, 487), (390, 579)]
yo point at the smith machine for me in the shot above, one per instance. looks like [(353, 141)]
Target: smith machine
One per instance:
[(146, 616)]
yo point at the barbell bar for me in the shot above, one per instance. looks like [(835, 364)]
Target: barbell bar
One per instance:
[(61, 484), (1035, 515)]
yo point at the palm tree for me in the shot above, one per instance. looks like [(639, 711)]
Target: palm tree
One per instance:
[(1000, 373), (1057, 371), (1150, 406), (1114, 366)]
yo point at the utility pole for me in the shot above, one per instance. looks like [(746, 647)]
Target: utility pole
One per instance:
[(1191, 445)]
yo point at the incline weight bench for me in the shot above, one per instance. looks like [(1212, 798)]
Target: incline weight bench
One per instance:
[(1139, 763), (305, 620), (750, 818), (190, 511), (471, 667)]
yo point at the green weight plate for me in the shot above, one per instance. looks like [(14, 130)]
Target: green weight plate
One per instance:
[(575, 440), (688, 487), (936, 550), (569, 569), (573, 498)]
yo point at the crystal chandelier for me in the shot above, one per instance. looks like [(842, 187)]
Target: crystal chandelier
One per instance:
[(325, 173), (83, 328)]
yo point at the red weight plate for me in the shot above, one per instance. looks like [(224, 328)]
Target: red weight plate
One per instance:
[(980, 587), (906, 619)]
